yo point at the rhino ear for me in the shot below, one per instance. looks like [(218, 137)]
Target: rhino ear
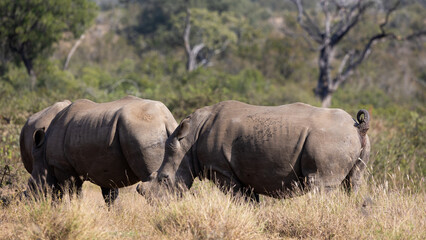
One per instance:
[(38, 137), (183, 129)]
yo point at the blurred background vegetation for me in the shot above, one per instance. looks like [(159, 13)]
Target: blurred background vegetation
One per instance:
[(254, 51)]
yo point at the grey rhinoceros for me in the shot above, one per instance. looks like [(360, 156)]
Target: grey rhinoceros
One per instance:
[(265, 150), (112, 144)]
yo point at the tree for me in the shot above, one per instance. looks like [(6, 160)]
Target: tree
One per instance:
[(340, 17), (203, 28), (28, 29), (211, 34)]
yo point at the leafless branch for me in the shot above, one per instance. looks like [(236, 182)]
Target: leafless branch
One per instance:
[(352, 18), (388, 13), (197, 48), (310, 27), (187, 31), (344, 61), (324, 6), (351, 63)]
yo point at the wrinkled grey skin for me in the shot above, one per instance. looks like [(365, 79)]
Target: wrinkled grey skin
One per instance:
[(264, 150), (114, 144), (39, 120)]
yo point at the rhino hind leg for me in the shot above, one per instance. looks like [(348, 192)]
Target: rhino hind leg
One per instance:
[(109, 194), (354, 178), (309, 180), (316, 168)]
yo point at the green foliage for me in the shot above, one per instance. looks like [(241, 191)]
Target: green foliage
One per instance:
[(13, 78), (33, 26), (52, 77), (28, 29), (398, 149), (161, 22), (282, 57), (396, 133), (348, 96), (12, 171)]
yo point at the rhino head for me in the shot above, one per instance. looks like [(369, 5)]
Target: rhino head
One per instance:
[(41, 178), (176, 172)]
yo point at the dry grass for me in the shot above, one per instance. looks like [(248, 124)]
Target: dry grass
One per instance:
[(206, 213)]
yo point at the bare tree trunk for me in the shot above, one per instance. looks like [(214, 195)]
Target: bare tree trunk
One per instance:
[(326, 100), (191, 62), (191, 53), (323, 89), (72, 51), (33, 79), (191, 57)]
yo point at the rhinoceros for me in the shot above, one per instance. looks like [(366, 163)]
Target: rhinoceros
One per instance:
[(113, 145), (39, 120), (270, 150)]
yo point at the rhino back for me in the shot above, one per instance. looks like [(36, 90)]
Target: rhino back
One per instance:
[(263, 146)]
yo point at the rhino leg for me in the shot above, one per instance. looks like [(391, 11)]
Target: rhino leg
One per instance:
[(109, 194), (310, 178), (57, 194), (71, 186), (76, 187), (354, 178), (312, 182), (67, 181), (250, 195), (232, 184)]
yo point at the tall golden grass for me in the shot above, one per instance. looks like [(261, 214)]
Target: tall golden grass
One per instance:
[(376, 212)]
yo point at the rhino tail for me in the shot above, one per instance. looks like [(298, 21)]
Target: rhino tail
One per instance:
[(363, 124)]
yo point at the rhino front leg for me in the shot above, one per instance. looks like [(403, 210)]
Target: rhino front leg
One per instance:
[(77, 188), (250, 195), (232, 184), (67, 182), (109, 194)]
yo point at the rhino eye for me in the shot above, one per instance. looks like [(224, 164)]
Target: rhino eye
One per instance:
[(172, 145)]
